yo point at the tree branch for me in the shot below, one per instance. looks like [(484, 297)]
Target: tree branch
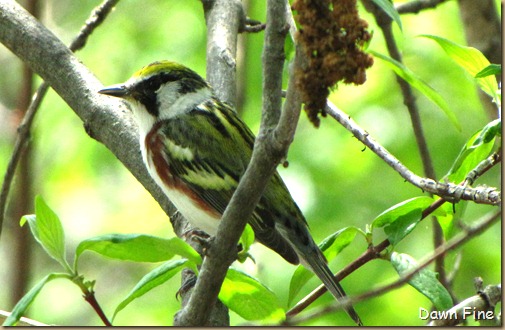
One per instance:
[(243, 202), (415, 6), (23, 322), (96, 18), (455, 242), (484, 301), (224, 19), (373, 252), (449, 191), (105, 119)]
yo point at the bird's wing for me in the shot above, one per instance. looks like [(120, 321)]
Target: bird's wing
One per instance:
[(210, 151)]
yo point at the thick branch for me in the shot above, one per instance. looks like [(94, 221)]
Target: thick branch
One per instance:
[(105, 119), (96, 18), (243, 202), (223, 19)]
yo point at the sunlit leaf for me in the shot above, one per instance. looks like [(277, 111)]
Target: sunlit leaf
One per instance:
[(475, 150), (401, 219), (416, 82), (446, 217), (394, 212), (249, 298), (151, 280), (20, 309), (137, 247), (472, 60), (246, 240), (425, 281), (47, 230)]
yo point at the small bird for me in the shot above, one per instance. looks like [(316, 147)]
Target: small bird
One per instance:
[(196, 149)]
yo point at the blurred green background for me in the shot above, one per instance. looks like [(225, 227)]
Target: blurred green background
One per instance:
[(335, 182)]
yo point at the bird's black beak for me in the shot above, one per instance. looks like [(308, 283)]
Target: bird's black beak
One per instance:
[(115, 90)]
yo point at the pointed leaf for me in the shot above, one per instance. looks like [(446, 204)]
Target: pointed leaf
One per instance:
[(151, 280), (416, 82), (20, 309), (390, 10), (445, 217), (47, 230), (476, 149), (246, 240), (471, 59), (490, 70), (402, 218), (393, 213), (250, 299), (137, 247), (425, 281)]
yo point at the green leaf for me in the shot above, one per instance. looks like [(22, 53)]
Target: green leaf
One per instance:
[(390, 10), (139, 248), (394, 212), (490, 70), (300, 277), (446, 217), (472, 60), (250, 299), (402, 226), (151, 280), (425, 281), (331, 247), (416, 82), (20, 309), (336, 242), (475, 150), (246, 240), (402, 218), (47, 230)]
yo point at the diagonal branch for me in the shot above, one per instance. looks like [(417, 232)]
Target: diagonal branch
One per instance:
[(449, 191), (34, 44), (482, 224), (374, 252), (96, 18)]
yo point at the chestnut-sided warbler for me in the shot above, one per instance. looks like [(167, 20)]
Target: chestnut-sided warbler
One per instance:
[(196, 148)]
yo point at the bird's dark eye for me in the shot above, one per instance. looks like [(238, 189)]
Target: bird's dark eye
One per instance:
[(153, 84), (145, 93)]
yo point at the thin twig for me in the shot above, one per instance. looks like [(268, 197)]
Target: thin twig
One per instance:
[(371, 253), (457, 241), (89, 296), (483, 167), (384, 22), (449, 191), (415, 6)]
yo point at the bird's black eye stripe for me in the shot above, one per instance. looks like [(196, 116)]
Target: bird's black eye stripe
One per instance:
[(145, 90)]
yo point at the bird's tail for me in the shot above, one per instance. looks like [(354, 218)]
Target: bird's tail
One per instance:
[(320, 267)]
